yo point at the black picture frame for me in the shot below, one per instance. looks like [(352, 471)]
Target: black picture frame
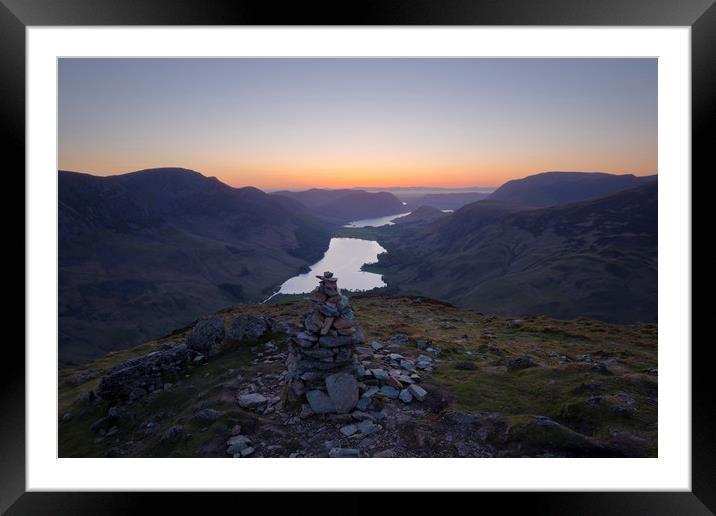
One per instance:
[(17, 15)]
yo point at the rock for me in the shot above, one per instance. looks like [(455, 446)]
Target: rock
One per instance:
[(101, 425), (281, 326), (540, 434), (85, 376), (364, 351), (418, 392), (247, 451), (585, 358), (371, 392), (652, 371), (208, 414), (465, 365), (384, 454), (67, 416), (132, 379), (390, 392), (422, 343), (519, 363), (172, 434), (367, 427), (343, 391), (342, 453), (399, 338), (380, 374), (247, 328), (405, 396), (423, 362), (320, 402), (253, 400), (118, 412), (237, 443), (394, 382), (363, 403), (377, 346), (329, 341), (306, 412), (207, 336), (349, 430), (88, 397), (407, 365)]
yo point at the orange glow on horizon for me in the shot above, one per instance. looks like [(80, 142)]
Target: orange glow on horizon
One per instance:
[(268, 177)]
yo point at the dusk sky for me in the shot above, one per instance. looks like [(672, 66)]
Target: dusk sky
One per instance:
[(298, 123)]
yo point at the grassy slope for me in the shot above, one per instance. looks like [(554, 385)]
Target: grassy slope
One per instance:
[(551, 389)]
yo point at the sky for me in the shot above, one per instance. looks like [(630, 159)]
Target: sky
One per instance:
[(303, 122)]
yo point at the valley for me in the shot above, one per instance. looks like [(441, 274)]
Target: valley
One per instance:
[(146, 252)]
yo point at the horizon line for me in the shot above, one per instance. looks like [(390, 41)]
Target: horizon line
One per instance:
[(466, 189)]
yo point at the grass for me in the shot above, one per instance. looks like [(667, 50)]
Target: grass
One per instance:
[(564, 392)]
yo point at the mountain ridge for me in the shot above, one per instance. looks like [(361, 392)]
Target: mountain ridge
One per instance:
[(594, 258), (144, 252)]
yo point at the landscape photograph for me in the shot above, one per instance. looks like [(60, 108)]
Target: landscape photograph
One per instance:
[(357, 257)]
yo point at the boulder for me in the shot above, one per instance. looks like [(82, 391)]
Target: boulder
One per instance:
[(252, 400), (207, 336), (247, 328), (320, 402), (418, 392), (343, 391)]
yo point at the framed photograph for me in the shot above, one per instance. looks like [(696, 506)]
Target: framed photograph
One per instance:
[(448, 243)]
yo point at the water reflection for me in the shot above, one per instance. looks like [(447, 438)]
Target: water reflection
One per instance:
[(375, 222), (344, 257)]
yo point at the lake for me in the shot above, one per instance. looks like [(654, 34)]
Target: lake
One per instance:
[(375, 222), (344, 257)]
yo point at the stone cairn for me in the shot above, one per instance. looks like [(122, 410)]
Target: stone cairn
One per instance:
[(321, 362)]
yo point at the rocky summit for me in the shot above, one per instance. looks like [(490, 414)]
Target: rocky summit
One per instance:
[(416, 378)]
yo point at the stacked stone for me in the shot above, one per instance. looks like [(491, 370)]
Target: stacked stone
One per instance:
[(321, 362)]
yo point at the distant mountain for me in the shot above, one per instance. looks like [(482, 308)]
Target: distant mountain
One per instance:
[(346, 205), (553, 188), (422, 215), (362, 205), (145, 252), (316, 196), (594, 259), (448, 201)]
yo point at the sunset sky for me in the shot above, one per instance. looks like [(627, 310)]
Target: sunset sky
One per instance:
[(300, 123)]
